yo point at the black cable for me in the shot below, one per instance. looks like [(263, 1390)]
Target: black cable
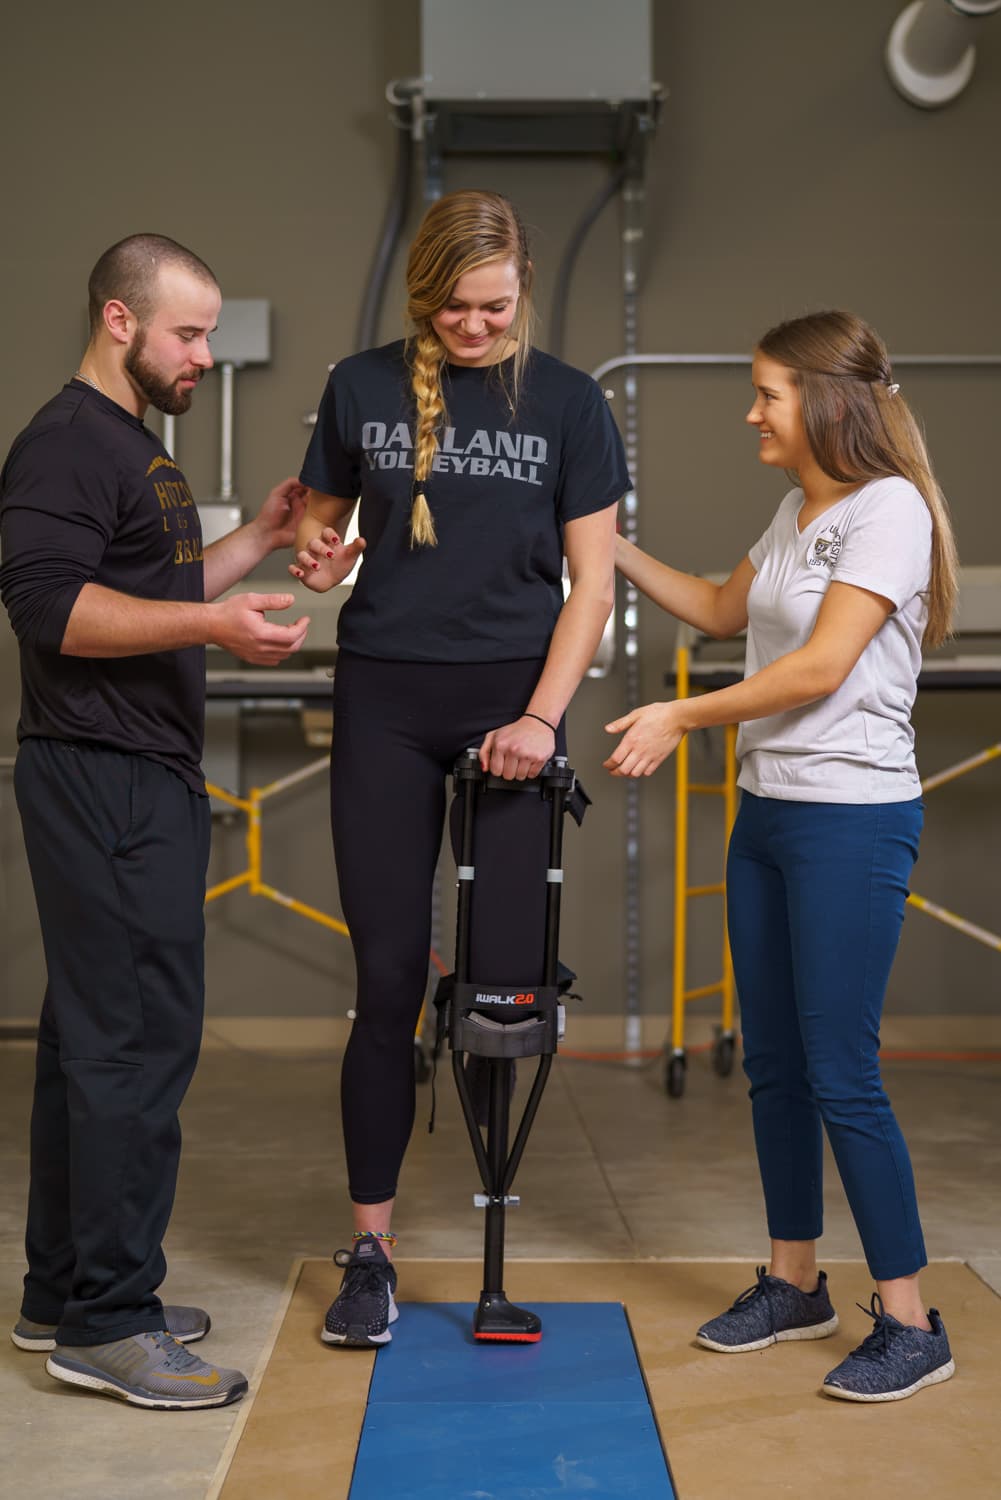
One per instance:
[(389, 237), (561, 290)]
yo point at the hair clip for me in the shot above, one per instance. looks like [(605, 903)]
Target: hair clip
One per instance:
[(892, 387)]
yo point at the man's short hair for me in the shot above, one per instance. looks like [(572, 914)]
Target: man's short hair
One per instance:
[(128, 273)]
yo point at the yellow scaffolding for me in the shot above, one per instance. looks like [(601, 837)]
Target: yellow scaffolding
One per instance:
[(723, 1046), (940, 913), (724, 1043), (251, 876)]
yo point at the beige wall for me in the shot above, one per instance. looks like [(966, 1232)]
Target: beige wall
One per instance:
[(786, 175)]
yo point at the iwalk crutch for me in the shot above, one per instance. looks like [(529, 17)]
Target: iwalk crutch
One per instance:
[(502, 1023)]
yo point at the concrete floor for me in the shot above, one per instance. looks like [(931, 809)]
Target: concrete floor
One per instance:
[(614, 1170)]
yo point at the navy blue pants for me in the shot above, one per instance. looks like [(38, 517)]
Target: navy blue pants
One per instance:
[(399, 728), (117, 847), (815, 896)]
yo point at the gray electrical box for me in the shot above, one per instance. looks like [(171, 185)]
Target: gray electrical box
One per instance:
[(218, 520), (537, 49), (243, 336)]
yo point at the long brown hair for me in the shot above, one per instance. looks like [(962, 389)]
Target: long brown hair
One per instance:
[(459, 232), (859, 426)]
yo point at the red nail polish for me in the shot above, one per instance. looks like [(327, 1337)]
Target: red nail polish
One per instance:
[(330, 554)]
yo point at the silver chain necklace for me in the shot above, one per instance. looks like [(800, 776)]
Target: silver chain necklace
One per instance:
[(79, 375)]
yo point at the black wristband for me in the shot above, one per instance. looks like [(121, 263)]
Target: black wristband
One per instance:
[(527, 715)]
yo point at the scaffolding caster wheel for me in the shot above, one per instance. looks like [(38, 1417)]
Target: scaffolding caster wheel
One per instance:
[(422, 1068), (497, 1320), (674, 1075), (723, 1053)]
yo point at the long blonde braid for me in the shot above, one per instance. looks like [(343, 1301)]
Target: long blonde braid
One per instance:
[(428, 356), (459, 232)]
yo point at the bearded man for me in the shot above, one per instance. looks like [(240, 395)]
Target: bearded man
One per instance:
[(113, 600)]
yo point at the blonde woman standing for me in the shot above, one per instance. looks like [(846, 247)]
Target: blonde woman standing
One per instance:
[(479, 462), (855, 572)]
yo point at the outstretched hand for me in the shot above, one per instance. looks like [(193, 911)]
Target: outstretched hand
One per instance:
[(326, 560), (279, 516), (240, 626), (652, 733)]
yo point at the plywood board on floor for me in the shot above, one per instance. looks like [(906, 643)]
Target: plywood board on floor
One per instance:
[(736, 1427)]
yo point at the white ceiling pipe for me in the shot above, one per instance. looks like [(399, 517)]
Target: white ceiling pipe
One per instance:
[(930, 53)]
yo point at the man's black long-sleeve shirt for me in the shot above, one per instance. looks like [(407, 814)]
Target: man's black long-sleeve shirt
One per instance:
[(89, 495)]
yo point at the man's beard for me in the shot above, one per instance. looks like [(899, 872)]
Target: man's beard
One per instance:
[(161, 393)]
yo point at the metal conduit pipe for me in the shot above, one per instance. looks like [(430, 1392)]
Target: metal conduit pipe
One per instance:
[(633, 201), (561, 289), (946, 361), (226, 370), (400, 95), (930, 53)]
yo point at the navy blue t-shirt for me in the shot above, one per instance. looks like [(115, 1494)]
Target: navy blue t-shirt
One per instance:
[(89, 494), (502, 487)]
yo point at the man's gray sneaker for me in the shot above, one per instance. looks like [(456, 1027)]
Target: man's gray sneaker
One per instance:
[(365, 1305), (149, 1369), (894, 1360), (186, 1324), (770, 1312)]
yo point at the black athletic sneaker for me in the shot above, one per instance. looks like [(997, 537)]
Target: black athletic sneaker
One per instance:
[(894, 1360), (364, 1307), (770, 1312)]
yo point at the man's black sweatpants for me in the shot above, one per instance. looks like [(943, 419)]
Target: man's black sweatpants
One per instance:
[(117, 847)]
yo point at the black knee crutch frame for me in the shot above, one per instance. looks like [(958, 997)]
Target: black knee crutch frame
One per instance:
[(501, 1023)]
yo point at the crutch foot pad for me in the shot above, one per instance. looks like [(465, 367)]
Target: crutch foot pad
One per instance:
[(497, 1320)]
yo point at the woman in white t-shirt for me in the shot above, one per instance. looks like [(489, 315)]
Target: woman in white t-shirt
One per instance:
[(855, 573)]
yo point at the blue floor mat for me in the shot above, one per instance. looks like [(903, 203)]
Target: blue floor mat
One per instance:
[(453, 1419)]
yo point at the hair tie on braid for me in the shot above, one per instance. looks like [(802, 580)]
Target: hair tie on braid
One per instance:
[(422, 532)]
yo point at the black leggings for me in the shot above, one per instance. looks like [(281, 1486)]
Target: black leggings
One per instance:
[(399, 728)]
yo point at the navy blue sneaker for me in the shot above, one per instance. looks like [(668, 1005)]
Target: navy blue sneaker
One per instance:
[(894, 1360), (770, 1312), (365, 1305)]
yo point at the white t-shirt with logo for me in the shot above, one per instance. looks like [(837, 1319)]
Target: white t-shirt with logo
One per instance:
[(857, 744)]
